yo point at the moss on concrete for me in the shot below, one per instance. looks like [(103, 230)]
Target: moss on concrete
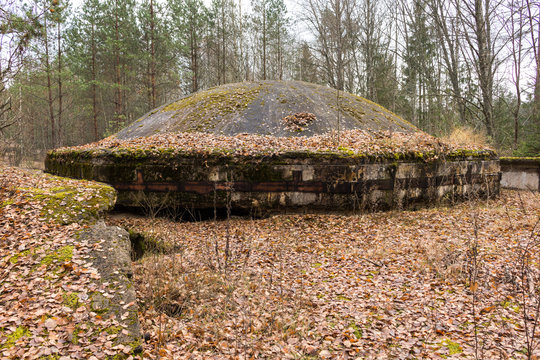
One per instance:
[(523, 160), (201, 110), (258, 107), (68, 204), (62, 163), (468, 154)]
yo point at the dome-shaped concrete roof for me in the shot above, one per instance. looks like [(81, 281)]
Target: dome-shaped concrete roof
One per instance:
[(279, 108)]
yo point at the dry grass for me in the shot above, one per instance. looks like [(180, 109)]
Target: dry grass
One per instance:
[(467, 136)]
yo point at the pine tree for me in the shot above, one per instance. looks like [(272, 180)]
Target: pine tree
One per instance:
[(85, 57), (17, 28), (123, 51), (270, 22), (59, 10), (47, 63), (419, 67), (306, 70), (158, 53), (190, 20)]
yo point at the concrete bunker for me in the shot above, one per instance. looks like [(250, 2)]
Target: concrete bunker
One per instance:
[(275, 146)]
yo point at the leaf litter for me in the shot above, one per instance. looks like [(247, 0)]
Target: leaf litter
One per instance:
[(349, 142), (342, 286), (47, 277), (382, 285)]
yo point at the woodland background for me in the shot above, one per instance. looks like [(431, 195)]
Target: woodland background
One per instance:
[(75, 73)]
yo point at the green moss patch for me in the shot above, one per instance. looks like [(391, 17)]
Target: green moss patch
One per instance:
[(69, 204), (75, 335), (6, 203), (63, 254), (452, 346), (71, 300), (12, 338), (15, 258), (201, 110)]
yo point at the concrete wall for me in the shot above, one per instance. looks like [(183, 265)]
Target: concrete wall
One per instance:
[(520, 173), (283, 182)]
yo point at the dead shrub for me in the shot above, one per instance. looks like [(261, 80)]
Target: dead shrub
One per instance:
[(171, 289), (465, 135), (446, 261)]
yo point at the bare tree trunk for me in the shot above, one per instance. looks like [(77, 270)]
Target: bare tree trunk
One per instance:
[(535, 41), (223, 42), (479, 21), (264, 40), (152, 56), (516, 38), (217, 36), (395, 67), (94, 87), (484, 62), (194, 56), (49, 84), (446, 28), (339, 61), (118, 79), (279, 51), (368, 50), (60, 94), (148, 76), (328, 21)]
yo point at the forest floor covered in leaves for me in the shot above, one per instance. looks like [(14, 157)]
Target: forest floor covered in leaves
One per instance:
[(47, 276), (446, 282)]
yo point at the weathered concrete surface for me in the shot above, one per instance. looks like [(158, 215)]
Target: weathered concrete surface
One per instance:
[(520, 173), (116, 297), (520, 180), (314, 181), (260, 107)]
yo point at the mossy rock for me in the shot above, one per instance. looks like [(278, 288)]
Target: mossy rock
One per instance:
[(70, 203)]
